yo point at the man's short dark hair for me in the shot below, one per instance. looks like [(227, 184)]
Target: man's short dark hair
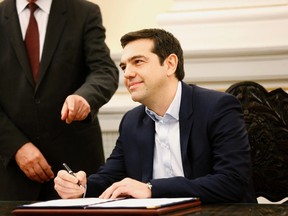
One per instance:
[(164, 44)]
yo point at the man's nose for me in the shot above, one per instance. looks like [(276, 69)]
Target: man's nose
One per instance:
[(129, 72)]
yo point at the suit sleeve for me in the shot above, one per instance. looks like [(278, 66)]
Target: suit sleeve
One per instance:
[(102, 74), (112, 171)]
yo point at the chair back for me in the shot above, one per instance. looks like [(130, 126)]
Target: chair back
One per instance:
[(266, 119)]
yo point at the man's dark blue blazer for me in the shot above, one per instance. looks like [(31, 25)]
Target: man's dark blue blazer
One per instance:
[(214, 147)]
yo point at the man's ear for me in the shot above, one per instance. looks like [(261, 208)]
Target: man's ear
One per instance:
[(172, 63)]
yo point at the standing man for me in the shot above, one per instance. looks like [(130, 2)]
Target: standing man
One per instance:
[(183, 141), (55, 74)]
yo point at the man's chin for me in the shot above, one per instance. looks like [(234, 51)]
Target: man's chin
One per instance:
[(135, 97)]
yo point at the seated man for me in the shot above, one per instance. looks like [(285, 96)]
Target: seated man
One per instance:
[(182, 141)]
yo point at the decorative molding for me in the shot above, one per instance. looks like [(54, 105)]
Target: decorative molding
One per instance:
[(253, 27), (197, 5), (244, 14)]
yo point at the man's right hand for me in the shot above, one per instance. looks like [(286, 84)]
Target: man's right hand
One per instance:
[(66, 184), (33, 163)]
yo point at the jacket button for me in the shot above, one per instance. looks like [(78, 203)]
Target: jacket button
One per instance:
[(37, 100)]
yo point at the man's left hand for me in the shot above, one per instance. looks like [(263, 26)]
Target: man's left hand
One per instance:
[(127, 188)]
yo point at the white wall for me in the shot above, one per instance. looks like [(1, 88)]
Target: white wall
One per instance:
[(122, 16)]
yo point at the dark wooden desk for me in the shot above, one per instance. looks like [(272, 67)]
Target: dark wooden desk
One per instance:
[(6, 208), (176, 209)]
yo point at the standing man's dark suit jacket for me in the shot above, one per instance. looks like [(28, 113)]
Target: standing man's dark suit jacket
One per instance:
[(75, 60), (214, 147)]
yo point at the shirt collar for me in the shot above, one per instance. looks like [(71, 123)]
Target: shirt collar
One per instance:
[(21, 5), (173, 109), (44, 5)]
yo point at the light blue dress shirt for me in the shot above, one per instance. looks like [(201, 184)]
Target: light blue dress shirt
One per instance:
[(167, 152)]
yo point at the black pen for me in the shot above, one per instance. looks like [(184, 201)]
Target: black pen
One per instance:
[(71, 172)]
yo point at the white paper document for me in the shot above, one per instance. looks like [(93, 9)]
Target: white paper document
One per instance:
[(110, 203), (142, 203), (69, 202)]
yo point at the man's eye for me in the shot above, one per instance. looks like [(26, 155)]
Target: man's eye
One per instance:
[(138, 61), (123, 68)]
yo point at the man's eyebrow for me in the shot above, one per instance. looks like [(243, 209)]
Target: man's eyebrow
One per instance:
[(131, 59)]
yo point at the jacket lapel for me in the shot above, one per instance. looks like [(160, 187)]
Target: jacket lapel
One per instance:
[(55, 27), (147, 134), (13, 29), (186, 122)]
